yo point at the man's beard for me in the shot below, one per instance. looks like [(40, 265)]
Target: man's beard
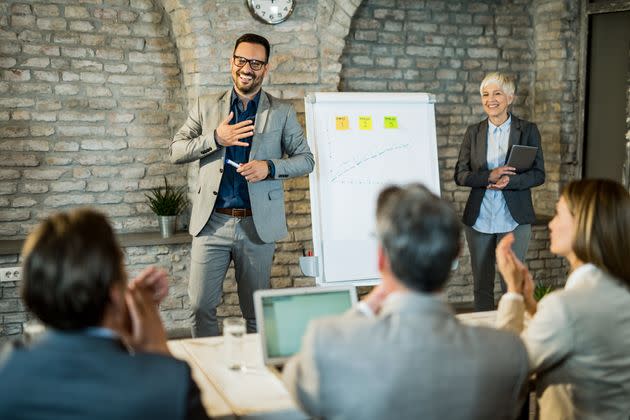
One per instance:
[(252, 86)]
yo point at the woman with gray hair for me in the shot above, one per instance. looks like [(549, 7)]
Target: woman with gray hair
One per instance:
[(500, 200)]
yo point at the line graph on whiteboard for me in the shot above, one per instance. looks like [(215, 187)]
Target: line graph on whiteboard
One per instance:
[(364, 169)]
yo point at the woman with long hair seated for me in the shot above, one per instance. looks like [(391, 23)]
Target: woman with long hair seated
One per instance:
[(578, 338)]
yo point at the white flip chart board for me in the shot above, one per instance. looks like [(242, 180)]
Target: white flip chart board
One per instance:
[(362, 142)]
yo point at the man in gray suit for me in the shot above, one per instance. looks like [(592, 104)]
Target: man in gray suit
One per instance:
[(246, 142), (401, 353)]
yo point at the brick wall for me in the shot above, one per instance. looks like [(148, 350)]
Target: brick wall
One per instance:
[(446, 48), (305, 49), (12, 313), (91, 92), (173, 258), (555, 93), (90, 96)]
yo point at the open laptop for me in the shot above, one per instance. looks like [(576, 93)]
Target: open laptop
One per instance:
[(282, 316)]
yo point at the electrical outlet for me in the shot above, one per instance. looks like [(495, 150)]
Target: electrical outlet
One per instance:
[(11, 274)]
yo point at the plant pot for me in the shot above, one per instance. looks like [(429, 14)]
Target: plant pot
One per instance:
[(167, 225)]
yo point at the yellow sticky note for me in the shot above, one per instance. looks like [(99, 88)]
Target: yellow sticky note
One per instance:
[(391, 121), (365, 122), (342, 123)]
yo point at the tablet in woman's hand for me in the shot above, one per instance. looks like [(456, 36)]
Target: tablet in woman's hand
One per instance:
[(522, 157)]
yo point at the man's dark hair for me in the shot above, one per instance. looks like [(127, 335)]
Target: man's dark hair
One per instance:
[(71, 261), (255, 39), (420, 234)]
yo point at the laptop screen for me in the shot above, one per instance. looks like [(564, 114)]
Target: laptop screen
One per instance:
[(286, 317)]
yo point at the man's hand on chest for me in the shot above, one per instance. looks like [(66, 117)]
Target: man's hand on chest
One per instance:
[(228, 134)]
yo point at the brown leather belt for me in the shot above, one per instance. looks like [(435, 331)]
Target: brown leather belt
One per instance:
[(235, 212)]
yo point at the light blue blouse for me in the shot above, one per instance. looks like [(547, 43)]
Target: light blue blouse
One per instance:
[(494, 215)]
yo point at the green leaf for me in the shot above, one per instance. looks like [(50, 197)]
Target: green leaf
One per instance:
[(542, 289), (167, 201)]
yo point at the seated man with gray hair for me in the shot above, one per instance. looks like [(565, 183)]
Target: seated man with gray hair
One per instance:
[(401, 353)]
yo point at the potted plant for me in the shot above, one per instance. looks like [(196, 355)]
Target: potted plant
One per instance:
[(167, 203), (541, 289)]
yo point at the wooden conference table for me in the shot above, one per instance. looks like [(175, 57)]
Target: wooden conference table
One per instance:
[(256, 393)]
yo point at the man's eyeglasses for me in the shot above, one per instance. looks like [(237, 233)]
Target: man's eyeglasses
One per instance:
[(254, 64)]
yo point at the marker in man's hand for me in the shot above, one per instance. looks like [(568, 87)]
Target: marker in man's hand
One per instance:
[(232, 163)]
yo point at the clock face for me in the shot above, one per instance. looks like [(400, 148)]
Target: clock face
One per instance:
[(271, 11)]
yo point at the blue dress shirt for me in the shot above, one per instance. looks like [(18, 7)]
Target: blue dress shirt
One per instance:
[(233, 192), (100, 332), (494, 215)]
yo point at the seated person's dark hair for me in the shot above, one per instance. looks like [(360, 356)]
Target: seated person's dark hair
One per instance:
[(70, 263)]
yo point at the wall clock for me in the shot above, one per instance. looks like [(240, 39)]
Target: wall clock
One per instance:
[(271, 11)]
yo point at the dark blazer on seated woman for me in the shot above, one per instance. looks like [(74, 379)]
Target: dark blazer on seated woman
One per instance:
[(472, 170)]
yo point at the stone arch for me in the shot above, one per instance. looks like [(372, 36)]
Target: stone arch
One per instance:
[(306, 52), (307, 49), (334, 18), (202, 32), (192, 33)]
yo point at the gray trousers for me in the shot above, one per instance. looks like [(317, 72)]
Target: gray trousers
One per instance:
[(482, 248), (224, 239)]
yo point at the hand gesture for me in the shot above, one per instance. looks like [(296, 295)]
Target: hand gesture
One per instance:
[(146, 332), (228, 134), (499, 172), (511, 268), (376, 297), (254, 171), (154, 280), (501, 183), (528, 293)]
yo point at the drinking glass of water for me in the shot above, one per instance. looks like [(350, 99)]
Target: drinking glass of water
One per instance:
[(234, 337)]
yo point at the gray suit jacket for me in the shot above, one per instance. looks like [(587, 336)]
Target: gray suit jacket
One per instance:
[(414, 360), (579, 347), (472, 171), (277, 133)]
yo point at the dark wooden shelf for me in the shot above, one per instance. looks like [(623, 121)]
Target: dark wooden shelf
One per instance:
[(14, 246), (152, 238)]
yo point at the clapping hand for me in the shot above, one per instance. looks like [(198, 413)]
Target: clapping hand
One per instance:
[(515, 273), (228, 134), (152, 279), (146, 332), (376, 298), (511, 268)]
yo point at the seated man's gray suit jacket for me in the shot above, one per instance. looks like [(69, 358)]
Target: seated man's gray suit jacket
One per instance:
[(415, 360)]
